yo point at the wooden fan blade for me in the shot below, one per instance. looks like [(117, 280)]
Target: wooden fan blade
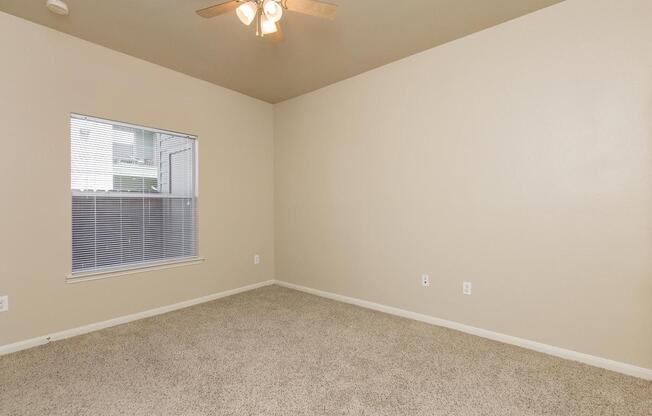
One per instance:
[(218, 9), (311, 7)]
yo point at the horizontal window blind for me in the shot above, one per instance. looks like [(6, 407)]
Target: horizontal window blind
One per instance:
[(134, 200)]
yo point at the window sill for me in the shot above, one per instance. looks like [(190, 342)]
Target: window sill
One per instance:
[(103, 274)]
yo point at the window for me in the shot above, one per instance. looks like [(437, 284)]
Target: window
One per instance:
[(134, 199)]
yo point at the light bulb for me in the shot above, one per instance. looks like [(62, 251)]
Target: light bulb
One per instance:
[(247, 12), (267, 26), (272, 10)]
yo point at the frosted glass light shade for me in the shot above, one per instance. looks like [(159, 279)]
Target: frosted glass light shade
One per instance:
[(272, 10), (267, 26), (247, 12)]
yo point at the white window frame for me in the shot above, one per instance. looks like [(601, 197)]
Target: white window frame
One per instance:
[(127, 269)]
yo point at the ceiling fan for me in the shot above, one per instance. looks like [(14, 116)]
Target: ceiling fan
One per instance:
[(267, 13)]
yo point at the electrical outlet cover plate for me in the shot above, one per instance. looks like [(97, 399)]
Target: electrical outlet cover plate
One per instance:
[(4, 303), (425, 280), (467, 288)]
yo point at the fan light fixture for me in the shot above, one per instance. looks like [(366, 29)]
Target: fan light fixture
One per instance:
[(267, 25), (273, 10), (266, 14), (247, 12)]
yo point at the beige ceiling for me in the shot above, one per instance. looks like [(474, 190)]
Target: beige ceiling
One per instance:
[(366, 34)]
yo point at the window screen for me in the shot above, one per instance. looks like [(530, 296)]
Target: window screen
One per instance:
[(134, 201)]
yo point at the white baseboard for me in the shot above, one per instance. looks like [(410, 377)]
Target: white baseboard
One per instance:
[(616, 366), (33, 342)]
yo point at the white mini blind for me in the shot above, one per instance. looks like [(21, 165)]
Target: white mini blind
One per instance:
[(134, 199)]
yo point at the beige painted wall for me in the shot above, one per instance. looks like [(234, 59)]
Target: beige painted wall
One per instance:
[(45, 75), (519, 158)]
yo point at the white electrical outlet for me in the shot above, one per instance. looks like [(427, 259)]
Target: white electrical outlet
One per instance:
[(425, 280), (467, 287), (4, 303), (256, 258)]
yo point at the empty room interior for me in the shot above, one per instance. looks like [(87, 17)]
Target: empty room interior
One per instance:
[(340, 207)]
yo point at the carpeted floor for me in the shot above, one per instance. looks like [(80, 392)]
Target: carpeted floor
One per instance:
[(275, 351)]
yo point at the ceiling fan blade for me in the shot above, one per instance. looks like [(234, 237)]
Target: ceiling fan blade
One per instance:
[(218, 9), (311, 7)]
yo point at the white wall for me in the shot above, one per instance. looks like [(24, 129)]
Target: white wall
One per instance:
[(44, 76), (519, 158)]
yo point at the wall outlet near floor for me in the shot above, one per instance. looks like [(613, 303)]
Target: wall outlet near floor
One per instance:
[(4, 303), (425, 280), (467, 287), (256, 258)]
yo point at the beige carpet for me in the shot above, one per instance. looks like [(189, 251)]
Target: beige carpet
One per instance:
[(275, 351)]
